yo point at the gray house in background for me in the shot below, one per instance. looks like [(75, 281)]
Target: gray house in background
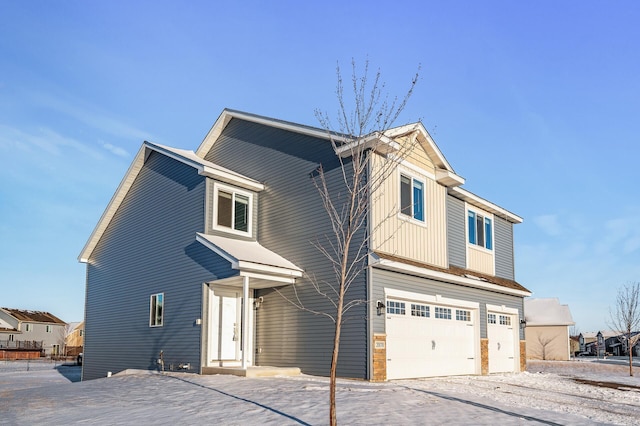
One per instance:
[(25, 329), (198, 255)]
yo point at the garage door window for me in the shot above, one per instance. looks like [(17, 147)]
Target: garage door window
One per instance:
[(443, 313), (394, 307), (419, 310), (463, 315), (505, 320), (491, 318)]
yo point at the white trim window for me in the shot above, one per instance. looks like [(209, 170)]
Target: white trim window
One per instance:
[(479, 230), (232, 209), (28, 327), (491, 318), (48, 329), (156, 310), (420, 310), (397, 308), (443, 313), (412, 198), (505, 320), (463, 315)]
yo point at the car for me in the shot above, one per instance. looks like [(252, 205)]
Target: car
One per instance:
[(79, 359)]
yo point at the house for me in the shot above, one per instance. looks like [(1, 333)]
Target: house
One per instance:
[(599, 343), (197, 259), (74, 340), (587, 341), (547, 329), (24, 330)]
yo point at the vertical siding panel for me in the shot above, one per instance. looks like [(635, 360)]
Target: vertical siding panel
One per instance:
[(456, 232), (504, 248)]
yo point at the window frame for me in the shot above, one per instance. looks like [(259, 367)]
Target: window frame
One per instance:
[(153, 311), (28, 327), (486, 232), (421, 206), (234, 191), (396, 307), (48, 328), (442, 312)]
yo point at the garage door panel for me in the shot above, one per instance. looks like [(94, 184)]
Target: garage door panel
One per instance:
[(501, 334), (419, 346)]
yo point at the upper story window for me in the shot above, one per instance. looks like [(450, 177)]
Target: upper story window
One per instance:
[(156, 310), (480, 230), (232, 209), (28, 327), (412, 197), (48, 328)]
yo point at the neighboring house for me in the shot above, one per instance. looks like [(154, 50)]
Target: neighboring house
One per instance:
[(196, 254), (599, 343), (34, 330), (587, 341), (74, 341), (574, 345), (547, 329)]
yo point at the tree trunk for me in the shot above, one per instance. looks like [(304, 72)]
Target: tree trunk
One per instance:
[(630, 360), (333, 419)]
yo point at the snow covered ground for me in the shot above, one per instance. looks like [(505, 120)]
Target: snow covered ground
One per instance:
[(547, 394)]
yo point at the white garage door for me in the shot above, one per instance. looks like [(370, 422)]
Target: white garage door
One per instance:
[(426, 340), (502, 342)]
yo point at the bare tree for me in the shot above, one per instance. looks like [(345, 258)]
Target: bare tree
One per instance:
[(358, 136), (625, 317), (544, 341)]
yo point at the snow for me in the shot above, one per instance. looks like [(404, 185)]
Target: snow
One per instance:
[(546, 394)]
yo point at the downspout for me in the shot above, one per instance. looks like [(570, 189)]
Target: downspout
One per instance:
[(245, 320), (369, 278)]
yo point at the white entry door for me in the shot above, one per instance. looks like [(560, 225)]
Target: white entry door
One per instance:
[(226, 326), (501, 335)]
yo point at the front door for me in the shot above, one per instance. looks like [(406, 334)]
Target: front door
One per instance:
[(225, 340)]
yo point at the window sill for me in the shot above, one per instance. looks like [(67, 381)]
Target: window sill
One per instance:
[(409, 219)]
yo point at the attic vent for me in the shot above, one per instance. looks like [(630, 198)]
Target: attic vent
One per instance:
[(473, 277)]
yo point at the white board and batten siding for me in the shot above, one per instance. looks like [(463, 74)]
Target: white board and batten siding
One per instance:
[(397, 234), (430, 336)]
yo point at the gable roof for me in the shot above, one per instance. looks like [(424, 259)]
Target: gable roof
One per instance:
[(33, 316), (546, 312), (424, 138), (204, 167)]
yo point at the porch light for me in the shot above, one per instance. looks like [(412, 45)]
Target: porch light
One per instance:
[(380, 306)]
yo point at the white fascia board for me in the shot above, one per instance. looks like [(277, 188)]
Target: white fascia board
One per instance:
[(484, 204), (444, 277), (376, 141), (268, 281), (244, 265), (231, 178), (227, 115), (427, 298), (448, 178), (502, 309)]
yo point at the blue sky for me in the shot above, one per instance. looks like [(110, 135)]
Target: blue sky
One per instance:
[(535, 103)]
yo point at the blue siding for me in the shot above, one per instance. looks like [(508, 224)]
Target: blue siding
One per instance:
[(456, 239), (290, 217), (149, 247), (504, 248)]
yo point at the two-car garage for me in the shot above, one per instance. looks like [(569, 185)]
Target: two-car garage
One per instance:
[(431, 335)]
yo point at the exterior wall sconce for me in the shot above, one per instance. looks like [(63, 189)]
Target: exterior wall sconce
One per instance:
[(380, 306), (523, 323), (258, 302)]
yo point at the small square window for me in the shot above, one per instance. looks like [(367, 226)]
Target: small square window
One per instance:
[(419, 310), (156, 310), (491, 318), (505, 320), (397, 308), (232, 209), (443, 313), (462, 315)]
